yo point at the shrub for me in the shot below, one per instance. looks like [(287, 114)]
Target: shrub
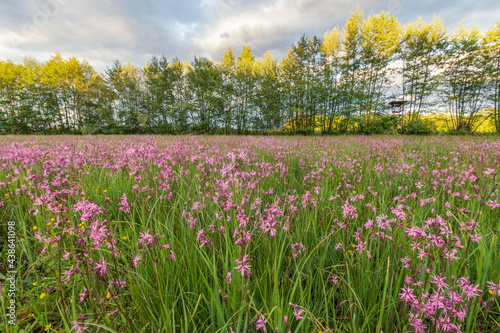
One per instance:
[(377, 124), (201, 127), (305, 131), (419, 127)]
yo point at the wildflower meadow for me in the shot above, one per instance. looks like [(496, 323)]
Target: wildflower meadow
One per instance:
[(249, 234)]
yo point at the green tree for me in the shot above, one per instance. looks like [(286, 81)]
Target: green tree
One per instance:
[(421, 52), (464, 79), (307, 79), (124, 81), (31, 105), (268, 99), (331, 72), (64, 80), (160, 79), (379, 40), (227, 67), (300, 74), (287, 72), (491, 54), (10, 93), (244, 92), (349, 87), (204, 82), (181, 95), (96, 109)]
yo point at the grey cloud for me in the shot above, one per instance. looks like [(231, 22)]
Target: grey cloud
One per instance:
[(102, 30)]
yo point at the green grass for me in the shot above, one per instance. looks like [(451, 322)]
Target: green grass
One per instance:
[(188, 294)]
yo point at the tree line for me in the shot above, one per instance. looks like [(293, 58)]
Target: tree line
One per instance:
[(340, 82)]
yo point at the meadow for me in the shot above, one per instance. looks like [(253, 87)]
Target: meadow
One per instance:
[(250, 234)]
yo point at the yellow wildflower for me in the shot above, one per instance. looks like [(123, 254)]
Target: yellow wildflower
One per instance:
[(108, 295), (42, 295), (35, 227), (47, 327), (34, 284)]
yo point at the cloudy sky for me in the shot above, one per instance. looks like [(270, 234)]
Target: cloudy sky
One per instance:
[(103, 30)]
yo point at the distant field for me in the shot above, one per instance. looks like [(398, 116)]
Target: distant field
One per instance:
[(244, 234)]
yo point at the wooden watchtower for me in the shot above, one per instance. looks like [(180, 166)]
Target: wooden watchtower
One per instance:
[(398, 109), (397, 106)]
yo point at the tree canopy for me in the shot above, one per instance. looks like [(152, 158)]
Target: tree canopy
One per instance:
[(338, 82)]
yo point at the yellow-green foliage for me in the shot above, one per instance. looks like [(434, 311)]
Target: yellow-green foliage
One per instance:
[(322, 123), (442, 121)]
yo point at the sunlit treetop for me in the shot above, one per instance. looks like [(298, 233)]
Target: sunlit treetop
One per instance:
[(331, 43), (380, 36)]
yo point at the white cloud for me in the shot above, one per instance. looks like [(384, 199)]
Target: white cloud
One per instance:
[(102, 30)]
